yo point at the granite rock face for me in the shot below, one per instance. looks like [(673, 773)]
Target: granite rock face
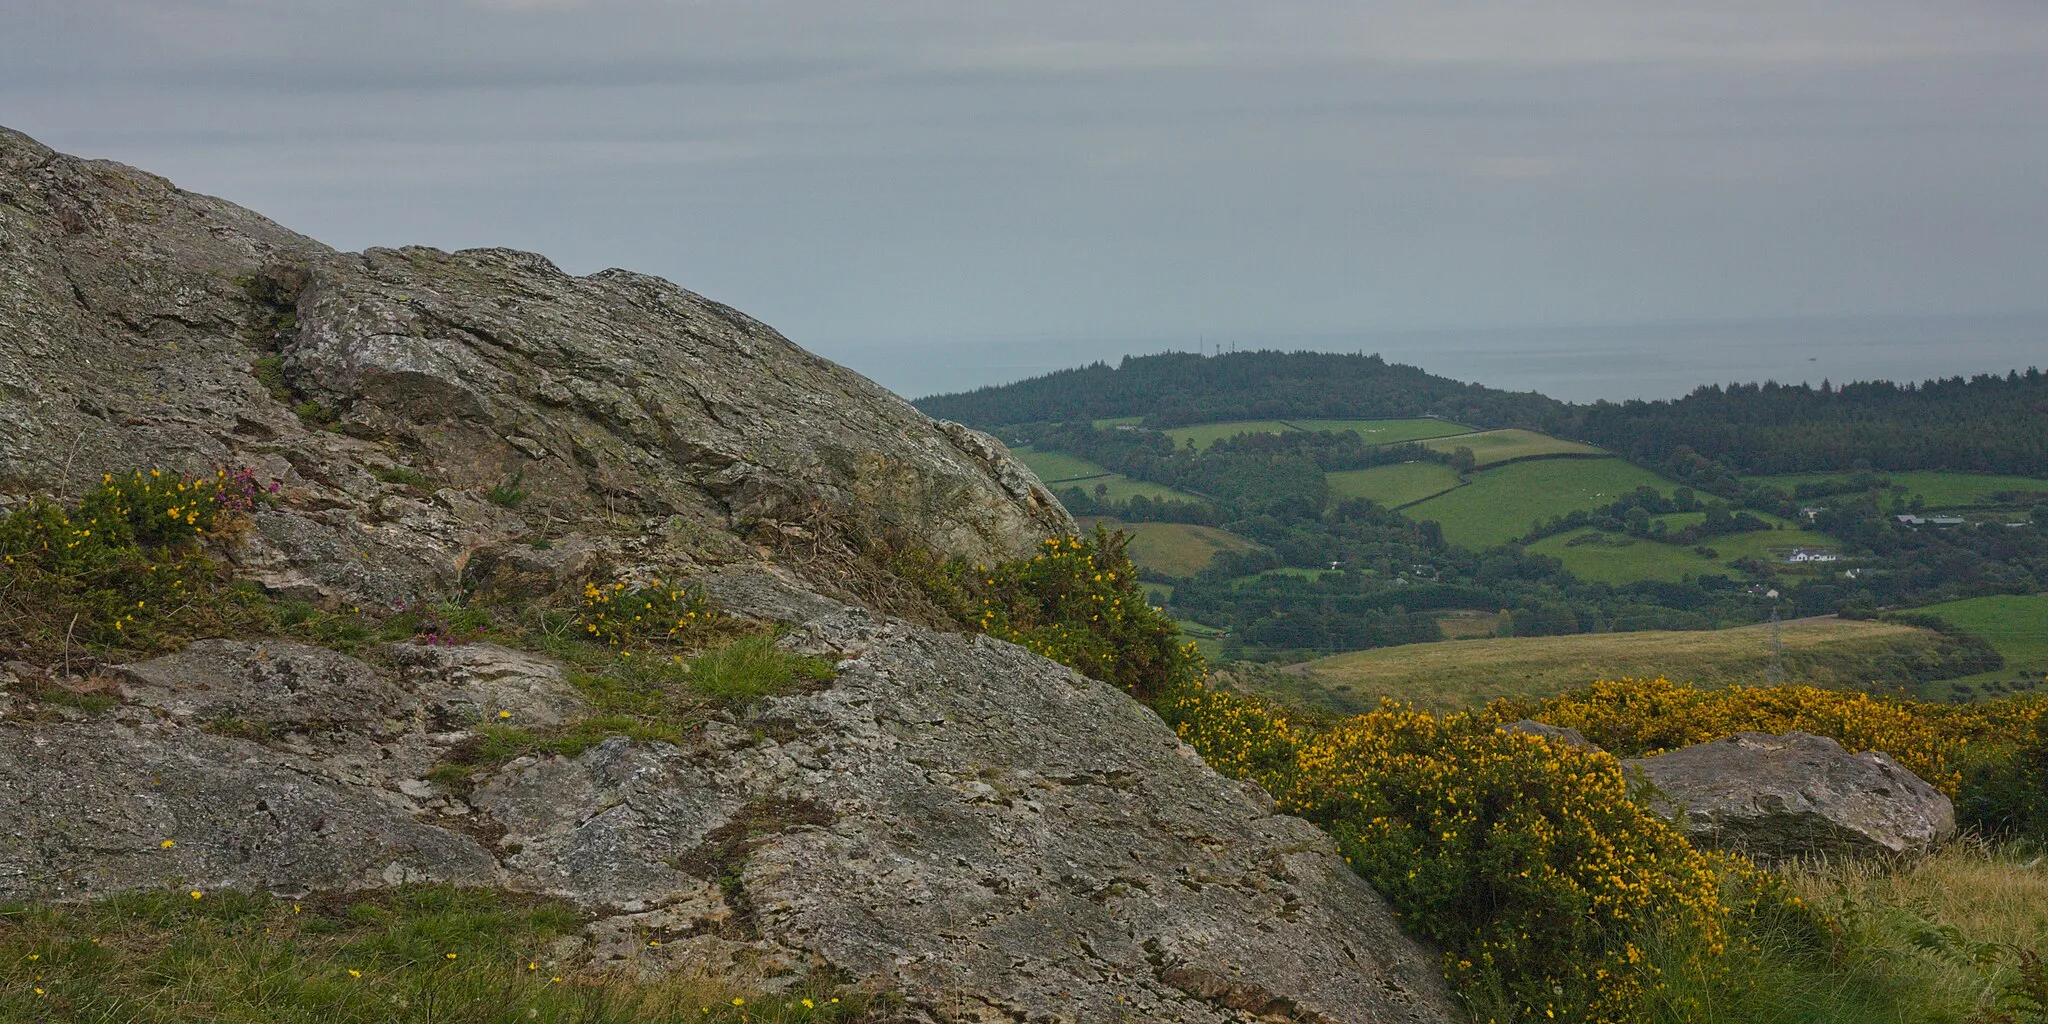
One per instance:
[(1777, 798), (424, 410)]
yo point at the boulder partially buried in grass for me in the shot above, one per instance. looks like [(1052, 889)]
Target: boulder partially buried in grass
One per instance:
[(1779, 798)]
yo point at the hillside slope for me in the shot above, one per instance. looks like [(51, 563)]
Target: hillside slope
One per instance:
[(1179, 388)]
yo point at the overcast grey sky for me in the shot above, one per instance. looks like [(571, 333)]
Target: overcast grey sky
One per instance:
[(922, 171)]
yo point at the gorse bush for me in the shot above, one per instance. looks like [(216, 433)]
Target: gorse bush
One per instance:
[(1638, 717), (1529, 862), (123, 568), (1078, 602), (622, 615)]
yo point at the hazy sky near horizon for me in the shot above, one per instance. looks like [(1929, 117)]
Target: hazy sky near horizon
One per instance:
[(925, 171)]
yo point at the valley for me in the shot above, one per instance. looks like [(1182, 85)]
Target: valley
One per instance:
[(1304, 537)]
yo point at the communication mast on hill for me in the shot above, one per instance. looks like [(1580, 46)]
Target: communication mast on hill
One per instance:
[(1775, 675)]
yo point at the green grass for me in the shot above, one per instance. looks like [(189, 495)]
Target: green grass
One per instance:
[(1393, 486), (1495, 446), (1176, 549), (2015, 624), (1386, 431), (1467, 673), (419, 954), (1938, 488), (1053, 467), (1619, 558), (1060, 471), (1206, 434), (1497, 505), (1119, 421), (1373, 431), (751, 668)]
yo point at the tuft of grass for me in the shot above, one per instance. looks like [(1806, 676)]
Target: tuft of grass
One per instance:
[(405, 475), (413, 954), (751, 668), (1936, 940), (508, 494), (269, 372), (319, 414)]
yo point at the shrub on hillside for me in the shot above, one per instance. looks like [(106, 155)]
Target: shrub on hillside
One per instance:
[(1639, 717), (124, 567), (1078, 602)]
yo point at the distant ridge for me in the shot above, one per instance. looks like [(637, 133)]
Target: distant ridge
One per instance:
[(1178, 388)]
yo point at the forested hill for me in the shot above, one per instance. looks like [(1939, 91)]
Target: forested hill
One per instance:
[(1987, 423), (1175, 389)]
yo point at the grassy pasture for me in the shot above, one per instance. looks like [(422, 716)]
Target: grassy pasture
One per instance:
[(1060, 471), (1396, 485), (2015, 624), (1466, 673), (1206, 434), (1618, 558), (1057, 467), (1497, 505), (1493, 446), (1386, 431), (1372, 431), (1937, 488), (1176, 549)]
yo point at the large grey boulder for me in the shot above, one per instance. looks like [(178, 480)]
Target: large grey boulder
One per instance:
[(992, 834), (621, 418), (1778, 798), (955, 819)]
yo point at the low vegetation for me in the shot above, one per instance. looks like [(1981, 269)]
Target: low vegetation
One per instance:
[(413, 955), (1553, 890)]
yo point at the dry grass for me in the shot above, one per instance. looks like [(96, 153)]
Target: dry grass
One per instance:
[(1466, 673)]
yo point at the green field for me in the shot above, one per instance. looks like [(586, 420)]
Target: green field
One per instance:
[(1492, 446), (2015, 624), (1373, 431), (1176, 549), (1060, 471), (1938, 489), (1498, 504), (1466, 673), (1386, 431), (1396, 485), (1206, 434), (1618, 558), (1119, 421)]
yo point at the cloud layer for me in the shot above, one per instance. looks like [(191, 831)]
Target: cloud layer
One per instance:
[(921, 170)]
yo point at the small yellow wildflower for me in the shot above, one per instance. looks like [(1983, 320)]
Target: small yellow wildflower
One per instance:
[(167, 844)]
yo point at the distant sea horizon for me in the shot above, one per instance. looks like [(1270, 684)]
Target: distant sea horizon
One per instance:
[(1615, 362)]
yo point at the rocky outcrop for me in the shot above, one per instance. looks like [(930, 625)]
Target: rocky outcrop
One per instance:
[(957, 820), (1778, 798), (953, 819), (426, 411)]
